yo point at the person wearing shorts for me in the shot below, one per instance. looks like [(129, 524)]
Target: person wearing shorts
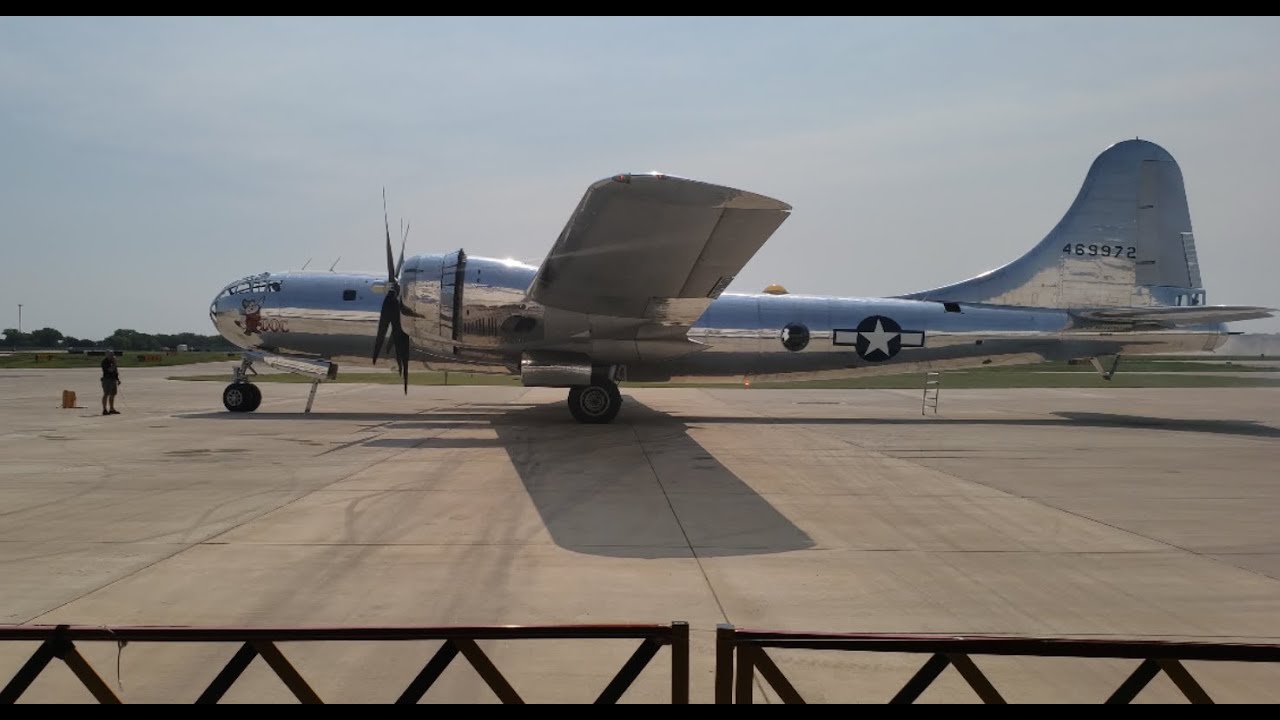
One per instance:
[(110, 382)]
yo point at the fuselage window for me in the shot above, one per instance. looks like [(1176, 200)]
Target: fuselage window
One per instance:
[(348, 295)]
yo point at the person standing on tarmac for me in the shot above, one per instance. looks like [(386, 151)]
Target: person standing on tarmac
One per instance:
[(110, 381)]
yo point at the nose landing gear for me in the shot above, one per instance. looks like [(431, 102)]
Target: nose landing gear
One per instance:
[(242, 395)]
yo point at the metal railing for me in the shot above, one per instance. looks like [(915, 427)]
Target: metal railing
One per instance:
[(739, 655), (60, 642), (745, 649)]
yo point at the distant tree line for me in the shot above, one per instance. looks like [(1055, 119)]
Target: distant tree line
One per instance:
[(50, 339)]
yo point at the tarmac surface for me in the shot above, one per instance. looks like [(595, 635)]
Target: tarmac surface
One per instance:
[(1123, 513)]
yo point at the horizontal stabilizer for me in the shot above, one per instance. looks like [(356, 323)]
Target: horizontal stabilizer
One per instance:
[(1173, 316)]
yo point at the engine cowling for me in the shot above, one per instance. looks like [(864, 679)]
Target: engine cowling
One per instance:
[(469, 313)]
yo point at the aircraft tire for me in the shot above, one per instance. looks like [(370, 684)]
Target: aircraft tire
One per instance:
[(241, 397), (256, 400), (596, 403)]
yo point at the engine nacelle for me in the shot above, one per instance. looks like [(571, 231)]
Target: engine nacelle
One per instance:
[(469, 313), (560, 369), (554, 370)]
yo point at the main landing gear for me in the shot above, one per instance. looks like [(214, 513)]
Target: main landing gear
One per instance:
[(598, 402)]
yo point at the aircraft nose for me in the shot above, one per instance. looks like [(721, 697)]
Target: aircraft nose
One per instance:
[(223, 313)]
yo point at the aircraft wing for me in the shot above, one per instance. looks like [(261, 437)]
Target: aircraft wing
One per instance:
[(654, 247), (1174, 316)]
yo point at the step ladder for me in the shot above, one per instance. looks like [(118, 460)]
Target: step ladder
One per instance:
[(932, 388)]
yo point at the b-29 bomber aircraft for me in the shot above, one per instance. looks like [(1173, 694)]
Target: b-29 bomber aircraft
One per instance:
[(635, 289)]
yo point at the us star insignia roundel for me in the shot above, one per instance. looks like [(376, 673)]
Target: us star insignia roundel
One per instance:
[(878, 338)]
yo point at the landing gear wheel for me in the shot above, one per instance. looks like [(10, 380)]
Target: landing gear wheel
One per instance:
[(598, 402), (242, 397), (256, 400)]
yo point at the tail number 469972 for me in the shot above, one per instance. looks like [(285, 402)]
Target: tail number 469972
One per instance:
[(1095, 250)]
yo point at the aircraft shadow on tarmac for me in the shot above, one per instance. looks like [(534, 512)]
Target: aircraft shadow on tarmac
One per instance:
[(1246, 428), (637, 488), (552, 414), (641, 487)]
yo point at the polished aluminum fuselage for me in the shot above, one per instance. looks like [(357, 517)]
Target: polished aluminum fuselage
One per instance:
[(740, 337)]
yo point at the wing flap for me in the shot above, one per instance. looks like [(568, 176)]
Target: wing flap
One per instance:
[(737, 237), (654, 247)]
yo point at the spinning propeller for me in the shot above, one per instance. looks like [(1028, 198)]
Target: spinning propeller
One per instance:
[(391, 306)]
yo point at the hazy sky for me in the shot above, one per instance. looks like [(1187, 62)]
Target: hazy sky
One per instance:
[(145, 163)]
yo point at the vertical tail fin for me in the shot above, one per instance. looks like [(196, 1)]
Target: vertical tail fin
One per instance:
[(1126, 241)]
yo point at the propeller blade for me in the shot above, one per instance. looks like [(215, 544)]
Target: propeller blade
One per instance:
[(403, 241), (401, 339), (390, 313), (402, 354), (391, 261)]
